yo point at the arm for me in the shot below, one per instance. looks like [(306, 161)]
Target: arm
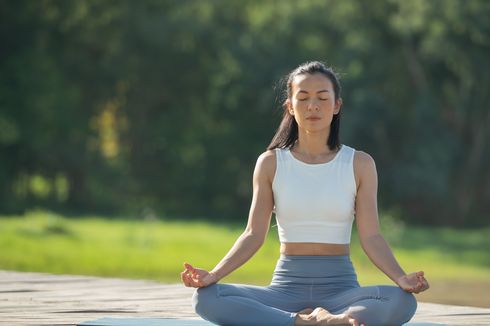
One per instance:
[(372, 242), (255, 233)]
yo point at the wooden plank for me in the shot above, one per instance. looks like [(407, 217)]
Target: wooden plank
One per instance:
[(46, 299)]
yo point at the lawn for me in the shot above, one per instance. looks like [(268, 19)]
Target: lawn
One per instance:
[(456, 262)]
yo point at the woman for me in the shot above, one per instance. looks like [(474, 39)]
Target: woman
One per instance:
[(315, 185)]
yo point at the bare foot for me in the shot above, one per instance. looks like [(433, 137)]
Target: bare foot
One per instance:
[(306, 311), (322, 317)]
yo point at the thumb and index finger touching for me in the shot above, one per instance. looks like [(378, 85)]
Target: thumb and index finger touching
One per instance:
[(196, 272), (189, 267)]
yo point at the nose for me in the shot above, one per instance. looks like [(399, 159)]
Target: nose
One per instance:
[(313, 106)]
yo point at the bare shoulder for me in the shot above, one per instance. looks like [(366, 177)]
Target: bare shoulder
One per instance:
[(364, 166), (363, 159), (266, 165), (268, 155)]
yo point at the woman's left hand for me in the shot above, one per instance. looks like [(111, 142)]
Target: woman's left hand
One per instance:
[(414, 282)]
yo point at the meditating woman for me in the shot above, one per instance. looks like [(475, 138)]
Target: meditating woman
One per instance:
[(316, 186)]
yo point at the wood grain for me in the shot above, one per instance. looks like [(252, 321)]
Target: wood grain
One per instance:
[(46, 299)]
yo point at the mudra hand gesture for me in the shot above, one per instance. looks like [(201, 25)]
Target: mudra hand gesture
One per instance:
[(196, 277), (414, 282)]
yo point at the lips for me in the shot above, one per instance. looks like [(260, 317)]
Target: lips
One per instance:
[(313, 118)]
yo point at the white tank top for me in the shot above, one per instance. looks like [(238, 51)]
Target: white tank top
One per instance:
[(314, 202)]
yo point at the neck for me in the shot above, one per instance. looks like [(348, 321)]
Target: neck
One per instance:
[(311, 143)]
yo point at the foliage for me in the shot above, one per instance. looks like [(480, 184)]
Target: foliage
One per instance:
[(134, 106)]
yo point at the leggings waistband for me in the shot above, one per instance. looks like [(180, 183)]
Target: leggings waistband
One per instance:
[(314, 257), (314, 270)]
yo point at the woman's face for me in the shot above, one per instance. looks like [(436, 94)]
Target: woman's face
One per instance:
[(313, 102)]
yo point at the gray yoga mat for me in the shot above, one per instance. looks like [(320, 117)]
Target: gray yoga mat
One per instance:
[(144, 322), (174, 322)]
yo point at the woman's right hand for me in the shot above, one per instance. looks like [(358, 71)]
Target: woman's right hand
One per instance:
[(196, 277)]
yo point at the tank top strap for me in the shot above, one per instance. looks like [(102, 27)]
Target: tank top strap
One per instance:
[(347, 154), (280, 156), (352, 152)]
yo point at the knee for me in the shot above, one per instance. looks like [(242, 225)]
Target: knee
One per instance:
[(410, 303), (404, 307), (202, 300)]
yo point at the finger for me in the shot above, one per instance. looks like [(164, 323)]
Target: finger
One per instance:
[(188, 267), (192, 272), (191, 283), (188, 281), (417, 289), (187, 274), (412, 289), (184, 275), (184, 279)]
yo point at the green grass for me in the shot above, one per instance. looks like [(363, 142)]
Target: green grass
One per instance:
[(155, 249)]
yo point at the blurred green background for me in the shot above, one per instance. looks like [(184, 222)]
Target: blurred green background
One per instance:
[(155, 112)]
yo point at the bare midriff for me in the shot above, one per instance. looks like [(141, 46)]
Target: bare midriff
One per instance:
[(314, 249)]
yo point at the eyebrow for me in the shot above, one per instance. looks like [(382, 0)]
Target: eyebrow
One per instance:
[(322, 91)]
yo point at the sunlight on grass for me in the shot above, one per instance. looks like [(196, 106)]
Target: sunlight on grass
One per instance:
[(154, 249)]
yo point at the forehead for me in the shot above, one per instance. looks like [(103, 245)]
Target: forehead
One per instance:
[(311, 82)]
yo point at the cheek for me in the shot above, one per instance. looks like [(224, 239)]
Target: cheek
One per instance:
[(299, 107), (296, 103), (329, 105)]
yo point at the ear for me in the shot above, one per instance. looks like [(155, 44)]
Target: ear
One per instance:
[(338, 105), (288, 106)]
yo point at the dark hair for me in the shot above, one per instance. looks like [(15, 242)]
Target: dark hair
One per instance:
[(287, 133)]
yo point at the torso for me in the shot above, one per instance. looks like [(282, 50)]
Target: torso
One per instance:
[(315, 249)]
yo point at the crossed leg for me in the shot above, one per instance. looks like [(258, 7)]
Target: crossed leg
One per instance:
[(233, 304), (230, 304), (373, 305)]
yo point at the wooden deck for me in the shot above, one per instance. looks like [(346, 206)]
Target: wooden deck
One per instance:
[(46, 299)]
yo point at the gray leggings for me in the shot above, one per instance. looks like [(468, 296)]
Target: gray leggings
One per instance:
[(301, 282)]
